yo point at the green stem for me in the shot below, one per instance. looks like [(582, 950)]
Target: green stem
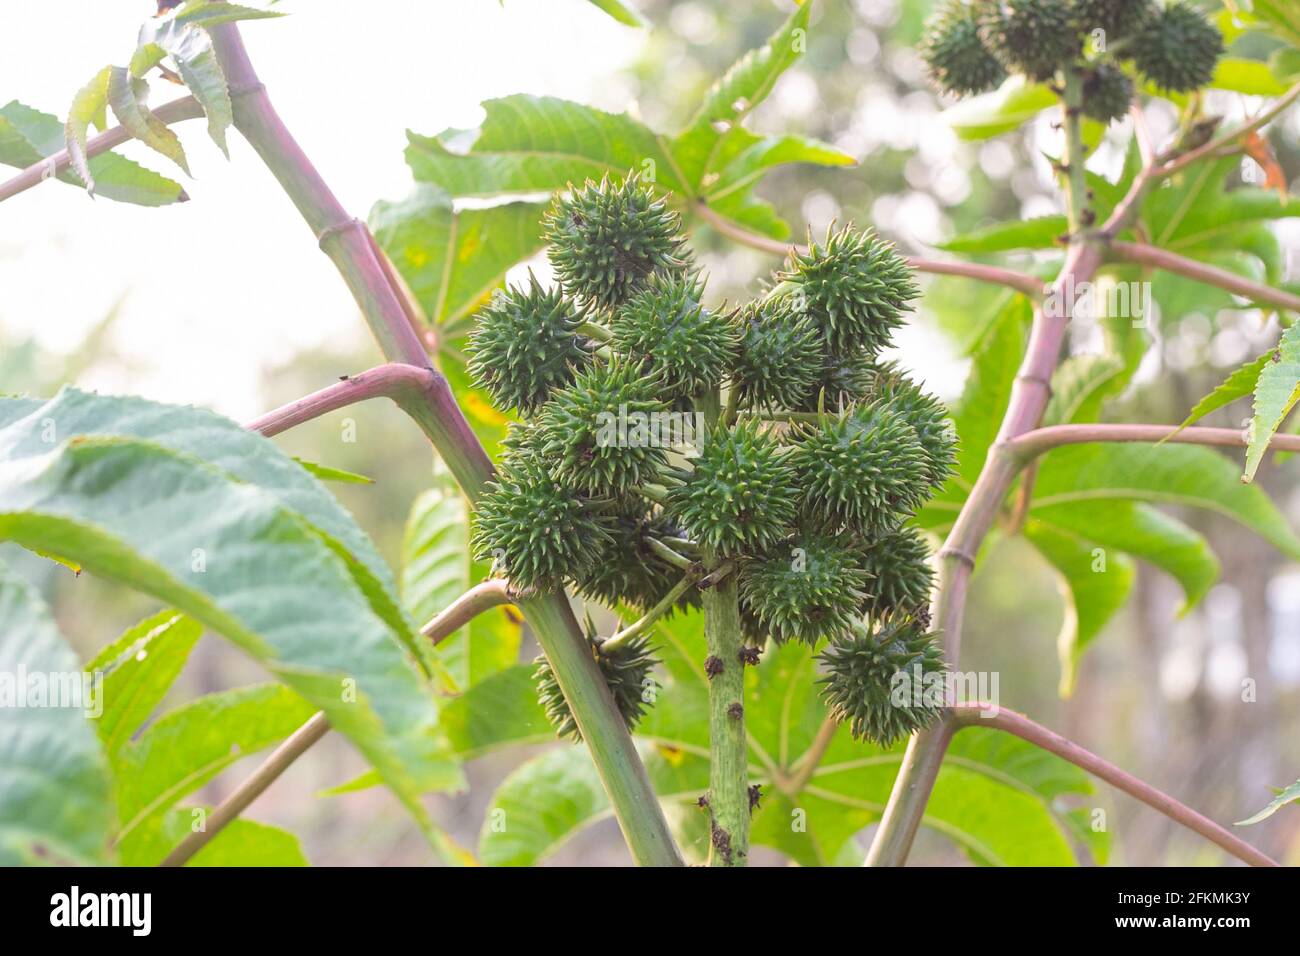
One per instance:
[(1076, 157), (594, 331), (728, 746), (668, 555), (666, 604), (348, 243)]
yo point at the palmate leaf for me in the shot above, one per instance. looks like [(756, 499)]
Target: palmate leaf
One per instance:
[(218, 540), (453, 258), (1080, 384), (127, 98), (54, 791), (997, 798), (1276, 392), (1290, 795), (188, 746), (1039, 233), (138, 669), (1002, 111), (241, 842)]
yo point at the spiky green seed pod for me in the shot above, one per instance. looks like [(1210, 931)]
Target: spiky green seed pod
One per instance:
[(1033, 37), (864, 469), (535, 530), (740, 496), (860, 683), (781, 352), (1107, 93), (807, 587), (1178, 49), (625, 570), (1118, 18), (596, 434), (927, 416), (843, 381), (664, 329), (854, 287), (607, 239), (525, 344), (951, 47), (898, 566), (626, 670)]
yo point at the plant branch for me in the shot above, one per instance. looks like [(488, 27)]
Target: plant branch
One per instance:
[(250, 789), (1041, 440), (804, 768), (1021, 282), (484, 596), (385, 381), (912, 787), (1231, 137), (1157, 258), (985, 715), (185, 108), (647, 620), (349, 245)]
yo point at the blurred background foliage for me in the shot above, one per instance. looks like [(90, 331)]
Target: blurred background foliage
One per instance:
[(1159, 694)]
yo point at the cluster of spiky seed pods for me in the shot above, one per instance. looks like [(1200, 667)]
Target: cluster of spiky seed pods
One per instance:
[(661, 441), (971, 46)]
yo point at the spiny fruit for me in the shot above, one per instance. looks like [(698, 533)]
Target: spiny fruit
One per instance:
[(1033, 37), (1178, 49), (780, 355), (1107, 93), (844, 380), (666, 330), (534, 529), (925, 413), (958, 60), (864, 469), (854, 286), (525, 344), (626, 670), (584, 430), (900, 577), (606, 239), (740, 495), (805, 588), (861, 687), (624, 570), (1118, 18)]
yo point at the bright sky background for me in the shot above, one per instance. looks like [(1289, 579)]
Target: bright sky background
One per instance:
[(231, 282)]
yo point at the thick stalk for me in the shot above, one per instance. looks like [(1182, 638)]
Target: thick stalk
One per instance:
[(1029, 397), (393, 380), (347, 242), (1154, 257), (728, 745)]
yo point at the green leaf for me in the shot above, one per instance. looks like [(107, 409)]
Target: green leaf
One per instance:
[(620, 12), (715, 131), (500, 710), (1144, 532), (246, 455), (233, 556), (188, 746), (1079, 385), (197, 63), (1290, 795), (1276, 392), (1282, 16), (1237, 385), (1040, 233), (206, 13), (1251, 77), (90, 105), (1170, 474), (531, 144), (241, 842), (27, 136), (330, 473), (127, 98), (437, 567), (549, 799), (54, 793), (139, 668), (1094, 586), (1001, 111), (453, 259)]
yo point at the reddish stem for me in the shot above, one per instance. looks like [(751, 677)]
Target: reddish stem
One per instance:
[(386, 381), (1157, 258), (988, 715)]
